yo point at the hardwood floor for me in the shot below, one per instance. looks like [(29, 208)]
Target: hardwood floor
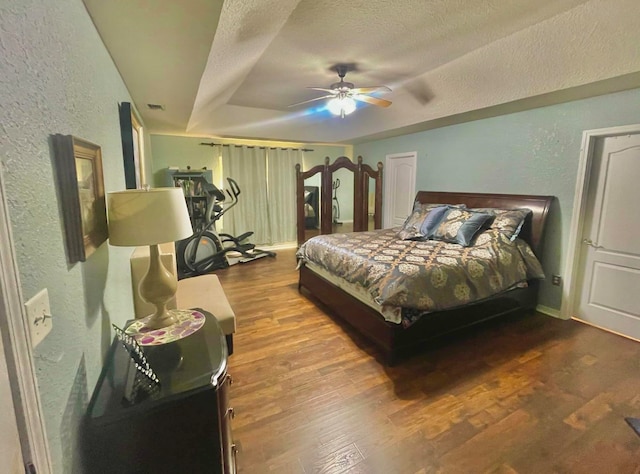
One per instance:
[(528, 395)]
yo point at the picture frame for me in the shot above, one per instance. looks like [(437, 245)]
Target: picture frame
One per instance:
[(132, 149), (78, 165)]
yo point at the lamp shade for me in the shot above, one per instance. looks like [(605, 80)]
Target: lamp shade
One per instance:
[(147, 217)]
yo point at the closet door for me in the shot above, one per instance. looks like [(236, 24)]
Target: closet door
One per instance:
[(399, 187), (609, 275)]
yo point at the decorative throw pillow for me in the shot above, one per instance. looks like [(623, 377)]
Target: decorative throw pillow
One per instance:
[(411, 228), (507, 221), (432, 220), (431, 205), (461, 226), (417, 206)]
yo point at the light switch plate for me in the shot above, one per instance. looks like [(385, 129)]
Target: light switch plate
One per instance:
[(39, 316)]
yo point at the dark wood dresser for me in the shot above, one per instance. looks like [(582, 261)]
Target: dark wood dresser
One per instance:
[(183, 425)]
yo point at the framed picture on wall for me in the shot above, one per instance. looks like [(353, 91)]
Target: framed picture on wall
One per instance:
[(78, 165), (131, 133)]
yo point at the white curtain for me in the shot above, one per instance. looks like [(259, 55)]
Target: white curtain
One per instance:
[(281, 180), (218, 179), (247, 166), (267, 205)]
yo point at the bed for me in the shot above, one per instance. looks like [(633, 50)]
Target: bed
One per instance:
[(398, 322)]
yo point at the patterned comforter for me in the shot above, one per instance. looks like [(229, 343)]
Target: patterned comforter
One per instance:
[(424, 276)]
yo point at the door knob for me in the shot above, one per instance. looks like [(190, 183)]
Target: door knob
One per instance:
[(590, 243)]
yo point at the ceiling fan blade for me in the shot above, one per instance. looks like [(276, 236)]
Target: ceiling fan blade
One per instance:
[(372, 100), (332, 91), (311, 100), (368, 90)]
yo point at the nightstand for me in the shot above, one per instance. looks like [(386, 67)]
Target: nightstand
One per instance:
[(183, 426)]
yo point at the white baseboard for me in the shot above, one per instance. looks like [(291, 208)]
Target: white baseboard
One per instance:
[(549, 311)]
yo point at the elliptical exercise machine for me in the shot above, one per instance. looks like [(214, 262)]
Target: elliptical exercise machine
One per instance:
[(206, 250), (336, 205)]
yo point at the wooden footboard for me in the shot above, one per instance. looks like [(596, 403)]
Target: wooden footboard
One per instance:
[(365, 319), (396, 341)]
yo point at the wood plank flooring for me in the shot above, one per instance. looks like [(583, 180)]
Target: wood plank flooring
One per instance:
[(528, 395)]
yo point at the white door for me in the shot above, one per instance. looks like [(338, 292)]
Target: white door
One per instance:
[(609, 270), (399, 187), (10, 450)]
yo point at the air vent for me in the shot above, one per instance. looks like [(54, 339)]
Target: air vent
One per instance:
[(156, 106)]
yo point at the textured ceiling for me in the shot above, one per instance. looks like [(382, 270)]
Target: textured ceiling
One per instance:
[(232, 69)]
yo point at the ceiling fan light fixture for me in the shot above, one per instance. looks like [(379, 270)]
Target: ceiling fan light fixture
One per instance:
[(342, 96), (341, 106)]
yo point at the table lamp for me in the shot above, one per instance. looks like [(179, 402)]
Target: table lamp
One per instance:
[(151, 217)]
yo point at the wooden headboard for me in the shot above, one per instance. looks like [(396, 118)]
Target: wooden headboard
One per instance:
[(533, 228)]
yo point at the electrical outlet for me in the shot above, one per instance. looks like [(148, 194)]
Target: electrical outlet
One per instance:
[(39, 316), (556, 280)]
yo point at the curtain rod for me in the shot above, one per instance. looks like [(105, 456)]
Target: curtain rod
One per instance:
[(261, 147)]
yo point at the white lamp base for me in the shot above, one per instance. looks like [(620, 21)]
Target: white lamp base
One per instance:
[(157, 287), (162, 320)]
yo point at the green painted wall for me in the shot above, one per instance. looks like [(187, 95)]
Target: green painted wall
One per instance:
[(531, 152), (171, 150), (57, 77)]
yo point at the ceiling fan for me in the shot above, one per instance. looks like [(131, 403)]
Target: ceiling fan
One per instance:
[(343, 94)]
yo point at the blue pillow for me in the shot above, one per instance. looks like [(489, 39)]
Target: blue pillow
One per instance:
[(461, 226), (470, 228), (430, 223), (413, 225)]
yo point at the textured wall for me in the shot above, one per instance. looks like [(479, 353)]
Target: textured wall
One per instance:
[(532, 152), (171, 150), (56, 77)]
